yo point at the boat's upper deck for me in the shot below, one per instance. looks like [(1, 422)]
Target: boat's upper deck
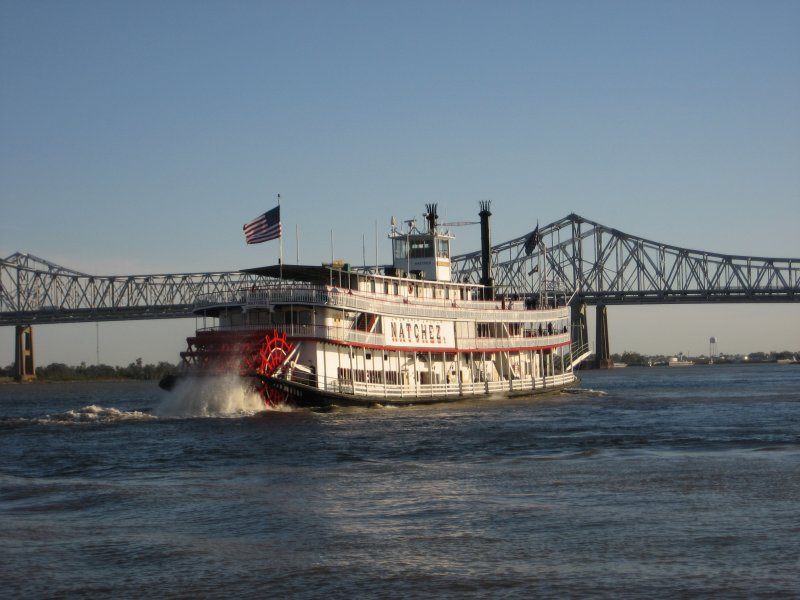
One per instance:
[(378, 294)]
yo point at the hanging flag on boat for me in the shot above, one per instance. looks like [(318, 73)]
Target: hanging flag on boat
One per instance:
[(264, 228), (532, 241)]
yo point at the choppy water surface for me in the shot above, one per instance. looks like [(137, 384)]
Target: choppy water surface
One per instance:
[(648, 483)]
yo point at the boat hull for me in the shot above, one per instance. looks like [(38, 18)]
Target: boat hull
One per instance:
[(306, 396)]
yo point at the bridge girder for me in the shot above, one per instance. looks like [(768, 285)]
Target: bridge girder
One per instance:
[(39, 292), (606, 266)]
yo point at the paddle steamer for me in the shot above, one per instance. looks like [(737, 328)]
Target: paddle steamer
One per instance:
[(402, 334)]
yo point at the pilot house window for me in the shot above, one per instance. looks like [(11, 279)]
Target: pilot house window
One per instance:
[(421, 248), (400, 248)]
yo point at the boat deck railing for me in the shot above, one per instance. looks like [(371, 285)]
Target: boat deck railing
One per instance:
[(418, 391), (363, 338), (580, 352), (409, 306)]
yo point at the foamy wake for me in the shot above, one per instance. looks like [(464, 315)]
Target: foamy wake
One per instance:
[(211, 397), (218, 397), (585, 391), (98, 414)]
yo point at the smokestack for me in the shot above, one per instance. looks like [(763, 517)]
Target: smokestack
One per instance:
[(486, 250), (431, 216)]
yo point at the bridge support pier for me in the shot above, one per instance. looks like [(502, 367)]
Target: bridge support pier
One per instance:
[(24, 367), (602, 358), (580, 329)]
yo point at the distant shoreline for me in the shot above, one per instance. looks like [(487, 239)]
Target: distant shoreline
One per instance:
[(585, 367)]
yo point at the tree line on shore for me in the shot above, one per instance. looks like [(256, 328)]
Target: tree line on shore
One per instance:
[(84, 372), (634, 359)]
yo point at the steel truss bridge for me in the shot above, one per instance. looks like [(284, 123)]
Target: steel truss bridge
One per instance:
[(587, 262), (606, 266)]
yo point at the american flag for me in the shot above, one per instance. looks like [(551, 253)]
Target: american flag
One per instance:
[(532, 241), (264, 228)]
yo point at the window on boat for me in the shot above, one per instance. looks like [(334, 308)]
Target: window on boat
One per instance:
[(514, 329), (490, 330), (367, 322), (400, 248), (443, 248), (421, 248)]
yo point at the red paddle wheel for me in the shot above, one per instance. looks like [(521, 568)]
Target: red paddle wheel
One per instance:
[(261, 354), (265, 356)]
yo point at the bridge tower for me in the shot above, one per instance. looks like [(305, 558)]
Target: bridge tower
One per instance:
[(24, 367), (602, 353)]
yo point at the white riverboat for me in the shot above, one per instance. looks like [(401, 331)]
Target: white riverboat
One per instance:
[(403, 334), (679, 361)]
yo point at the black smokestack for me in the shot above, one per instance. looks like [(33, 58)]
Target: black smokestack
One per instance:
[(486, 250), (431, 216)]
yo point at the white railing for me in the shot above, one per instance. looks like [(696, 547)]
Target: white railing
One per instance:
[(516, 342), (438, 390), (579, 353), (355, 336), (435, 308)]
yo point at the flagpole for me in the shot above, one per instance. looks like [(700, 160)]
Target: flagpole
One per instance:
[(544, 268), (280, 259)]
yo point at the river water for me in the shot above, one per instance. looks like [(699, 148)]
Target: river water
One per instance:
[(681, 483)]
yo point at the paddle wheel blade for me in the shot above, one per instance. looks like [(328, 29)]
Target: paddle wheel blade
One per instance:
[(267, 361)]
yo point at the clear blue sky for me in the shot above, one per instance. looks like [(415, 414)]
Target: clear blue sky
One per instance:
[(138, 137)]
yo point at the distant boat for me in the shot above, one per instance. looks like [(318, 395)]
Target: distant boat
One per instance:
[(620, 365), (677, 361), (787, 361)]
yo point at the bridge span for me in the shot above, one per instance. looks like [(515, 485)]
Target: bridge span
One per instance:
[(591, 264)]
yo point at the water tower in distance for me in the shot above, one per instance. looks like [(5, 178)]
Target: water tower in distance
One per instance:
[(712, 347)]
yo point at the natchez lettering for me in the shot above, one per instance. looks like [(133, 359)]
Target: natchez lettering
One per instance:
[(422, 333)]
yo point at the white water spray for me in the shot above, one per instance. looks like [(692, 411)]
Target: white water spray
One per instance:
[(224, 396)]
